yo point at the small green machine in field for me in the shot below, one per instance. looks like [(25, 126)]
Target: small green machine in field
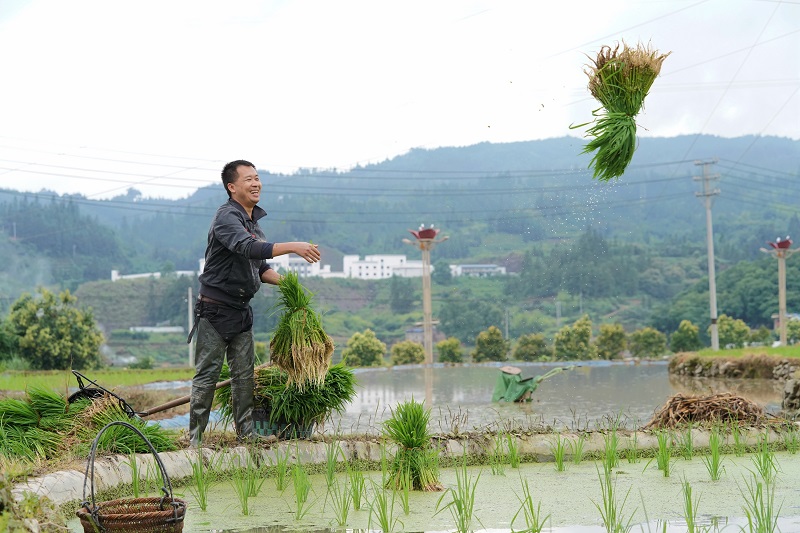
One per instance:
[(512, 387)]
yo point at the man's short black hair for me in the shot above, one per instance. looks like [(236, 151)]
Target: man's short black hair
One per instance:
[(230, 173)]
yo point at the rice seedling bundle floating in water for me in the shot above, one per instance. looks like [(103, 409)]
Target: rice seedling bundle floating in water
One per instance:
[(299, 346), (620, 81)]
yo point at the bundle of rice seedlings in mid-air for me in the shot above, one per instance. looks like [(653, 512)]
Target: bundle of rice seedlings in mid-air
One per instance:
[(620, 80), (299, 345)]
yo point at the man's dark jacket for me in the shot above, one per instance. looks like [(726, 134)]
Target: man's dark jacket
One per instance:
[(235, 256)]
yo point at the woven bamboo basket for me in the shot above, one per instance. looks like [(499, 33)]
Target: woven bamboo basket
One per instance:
[(163, 514)]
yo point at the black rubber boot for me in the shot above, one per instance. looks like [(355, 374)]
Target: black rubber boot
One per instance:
[(209, 355)]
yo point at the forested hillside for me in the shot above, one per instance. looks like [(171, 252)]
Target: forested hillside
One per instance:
[(631, 251)]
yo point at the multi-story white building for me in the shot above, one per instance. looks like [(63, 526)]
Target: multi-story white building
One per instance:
[(380, 266), (304, 269)]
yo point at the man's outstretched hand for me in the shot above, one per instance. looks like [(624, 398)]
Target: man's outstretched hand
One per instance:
[(308, 251)]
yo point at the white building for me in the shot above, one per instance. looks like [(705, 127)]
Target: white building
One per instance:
[(477, 271), (380, 266), (115, 275), (304, 269)]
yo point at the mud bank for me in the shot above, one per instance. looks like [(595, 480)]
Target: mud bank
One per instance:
[(749, 366)]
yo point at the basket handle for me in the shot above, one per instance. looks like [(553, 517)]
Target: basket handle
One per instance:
[(166, 489)]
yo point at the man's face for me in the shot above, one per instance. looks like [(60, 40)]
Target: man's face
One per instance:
[(247, 188)]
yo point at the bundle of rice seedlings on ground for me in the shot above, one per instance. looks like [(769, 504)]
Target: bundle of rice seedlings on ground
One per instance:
[(119, 439), (299, 345), (19, 413), (416, 460), (288, 403), (620, 81), (53, 409), (33, 428)]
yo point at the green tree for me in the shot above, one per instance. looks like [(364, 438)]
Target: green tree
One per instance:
[(364, 349), (760, 336), (463, 316), (611, 341), (401, 295), (647, 342), (441, 274), (167, 269), (8, 341), (450, 350), (408, 353), (53, 333), (732, 331), (574, 342), (686, 338), (490, 346), (793, 331), (532, 347)]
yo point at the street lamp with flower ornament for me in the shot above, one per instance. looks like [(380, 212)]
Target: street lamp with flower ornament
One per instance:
[(781, 249), (426, 240)]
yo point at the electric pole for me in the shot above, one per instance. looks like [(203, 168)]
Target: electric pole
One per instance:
[(426, 241), (781, 250), (707, 195)]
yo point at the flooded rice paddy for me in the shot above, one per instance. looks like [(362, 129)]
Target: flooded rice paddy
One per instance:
[(579, 399), (568, 497), (460, 396)]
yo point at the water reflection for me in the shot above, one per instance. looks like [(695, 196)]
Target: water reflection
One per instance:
[(766, 392), (460, 396)]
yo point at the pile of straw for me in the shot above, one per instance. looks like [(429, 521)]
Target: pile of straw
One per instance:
[(299, 345), (620, 80), (715, 409)]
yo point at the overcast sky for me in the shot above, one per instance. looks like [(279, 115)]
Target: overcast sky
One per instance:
[(98, 96)]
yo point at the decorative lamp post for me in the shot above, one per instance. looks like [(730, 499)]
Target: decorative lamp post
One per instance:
[(426, 240), (781, 249)]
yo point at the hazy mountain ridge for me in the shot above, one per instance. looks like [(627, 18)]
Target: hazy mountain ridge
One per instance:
[(494, 200)]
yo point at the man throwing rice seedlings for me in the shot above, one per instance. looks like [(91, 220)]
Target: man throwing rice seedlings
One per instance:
[(235, 268)]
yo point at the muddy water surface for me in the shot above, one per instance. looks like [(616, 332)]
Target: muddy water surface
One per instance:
[(460, 396), (574, 399)]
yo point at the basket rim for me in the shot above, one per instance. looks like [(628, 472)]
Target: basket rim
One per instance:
[(179, 509)]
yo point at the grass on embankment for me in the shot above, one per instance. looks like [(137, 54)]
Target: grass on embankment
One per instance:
[(61, 380), (779, 351)]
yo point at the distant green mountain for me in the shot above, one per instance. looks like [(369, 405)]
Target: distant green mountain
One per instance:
[(495, 201)]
